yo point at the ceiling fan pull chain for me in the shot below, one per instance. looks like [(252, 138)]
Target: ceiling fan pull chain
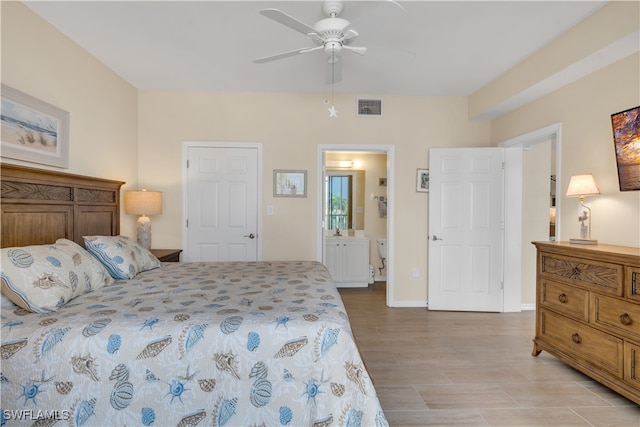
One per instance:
[(332, 111)]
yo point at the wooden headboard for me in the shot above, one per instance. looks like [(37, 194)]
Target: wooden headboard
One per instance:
[(40, 206)]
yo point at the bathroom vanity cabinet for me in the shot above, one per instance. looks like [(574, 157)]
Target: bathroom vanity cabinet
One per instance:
[(347, 259)]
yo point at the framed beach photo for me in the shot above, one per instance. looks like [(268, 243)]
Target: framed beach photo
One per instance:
[(33, 130), (422, 181), (289, 183)]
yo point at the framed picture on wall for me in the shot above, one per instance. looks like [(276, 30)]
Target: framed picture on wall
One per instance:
[(289, 183), (626, 139), (422, 180), (33, 130)]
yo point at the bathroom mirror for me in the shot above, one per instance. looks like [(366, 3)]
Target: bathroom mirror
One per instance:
[(344, 193)]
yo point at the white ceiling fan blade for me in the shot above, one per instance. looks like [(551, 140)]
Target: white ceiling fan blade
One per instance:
[(358, 50), (395, 3), (379, 11), (286, 54), (289, 21), (349, 36), (333, 72)]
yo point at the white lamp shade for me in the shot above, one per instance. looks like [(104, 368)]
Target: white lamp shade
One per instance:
[(143, 202), (582, 185)]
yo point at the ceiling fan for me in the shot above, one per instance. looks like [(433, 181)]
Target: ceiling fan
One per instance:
[(331, 34)]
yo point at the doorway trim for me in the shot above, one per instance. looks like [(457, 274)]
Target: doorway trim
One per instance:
[(513, 207), (389, 150)]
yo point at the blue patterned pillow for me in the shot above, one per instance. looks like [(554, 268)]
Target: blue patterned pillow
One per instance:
[(123, 257), (42, 278)]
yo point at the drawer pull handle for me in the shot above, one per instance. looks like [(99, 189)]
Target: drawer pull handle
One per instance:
[(563, 298), (576, 338), (625, 319)]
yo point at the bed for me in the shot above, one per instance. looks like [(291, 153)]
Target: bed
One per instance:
[(184, 344)]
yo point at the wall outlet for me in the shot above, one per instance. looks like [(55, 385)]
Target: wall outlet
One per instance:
[(415, 272)]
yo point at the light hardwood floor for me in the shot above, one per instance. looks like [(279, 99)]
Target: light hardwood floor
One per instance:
[(472, 369)]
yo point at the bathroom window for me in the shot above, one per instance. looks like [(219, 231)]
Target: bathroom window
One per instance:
[(339, 207)]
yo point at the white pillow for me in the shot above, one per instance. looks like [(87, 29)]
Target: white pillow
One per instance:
[(123, 257), (42, 278)]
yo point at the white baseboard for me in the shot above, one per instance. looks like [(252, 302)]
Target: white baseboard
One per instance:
[(409, 304), (523, 307), (417, 304)]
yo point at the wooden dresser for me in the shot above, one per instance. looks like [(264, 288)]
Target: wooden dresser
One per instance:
[(588, 311)]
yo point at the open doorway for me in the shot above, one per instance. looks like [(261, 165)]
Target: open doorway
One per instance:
[(533, 175), (361, 177)]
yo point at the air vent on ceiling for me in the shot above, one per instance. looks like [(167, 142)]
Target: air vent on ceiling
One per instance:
[(369, 107)]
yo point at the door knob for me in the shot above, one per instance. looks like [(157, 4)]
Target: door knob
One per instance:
[(434, 238), (251, 236)]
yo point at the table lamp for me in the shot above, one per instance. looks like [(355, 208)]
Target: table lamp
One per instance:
[(143, 203), (581, 186)]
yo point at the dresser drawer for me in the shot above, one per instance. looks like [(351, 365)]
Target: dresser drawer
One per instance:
[(585, 343), (632, 364), (565, 299), (618, 316), (599, 276), (633, 283)]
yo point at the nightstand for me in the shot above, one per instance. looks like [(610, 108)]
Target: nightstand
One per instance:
[(167, 255)]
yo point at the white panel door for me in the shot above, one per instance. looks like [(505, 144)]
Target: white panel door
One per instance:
[(222, 204), (466, 229)]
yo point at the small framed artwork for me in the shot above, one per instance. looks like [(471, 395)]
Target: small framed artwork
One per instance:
[(33, 130), (626, 139), (289, 183), (422, 181)]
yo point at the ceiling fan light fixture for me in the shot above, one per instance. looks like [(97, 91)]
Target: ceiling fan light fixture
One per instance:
[(332, 49), (331, 27)]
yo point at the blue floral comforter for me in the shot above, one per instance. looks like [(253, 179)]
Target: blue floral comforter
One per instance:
[(211, 344)]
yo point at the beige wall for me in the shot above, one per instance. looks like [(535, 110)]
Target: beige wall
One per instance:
[(290, 127), (584, 108), (40, 61)]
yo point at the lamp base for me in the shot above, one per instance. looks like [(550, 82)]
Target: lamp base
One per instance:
[(583, 241), (144, 231)]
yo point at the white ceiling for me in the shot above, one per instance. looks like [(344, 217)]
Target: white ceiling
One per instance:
[(432, 48)]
